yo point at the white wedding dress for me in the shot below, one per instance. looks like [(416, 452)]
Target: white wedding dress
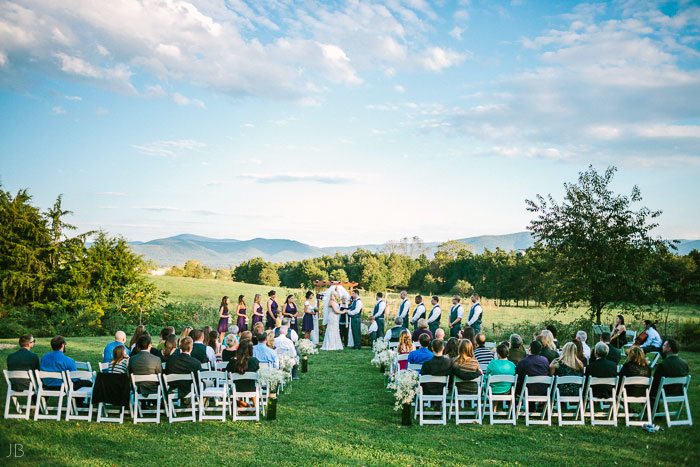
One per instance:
[(332, 340)]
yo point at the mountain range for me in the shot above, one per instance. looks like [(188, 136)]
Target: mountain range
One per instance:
[(214, 252)]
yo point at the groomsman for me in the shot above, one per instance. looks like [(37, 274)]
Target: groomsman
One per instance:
[(456, 315), (378, 313), (344, 325), (475, 312), (418, 313), (435, 313), (355, 313), (404, 307)]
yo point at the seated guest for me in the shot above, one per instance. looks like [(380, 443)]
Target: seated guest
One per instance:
[(405, 347), (270, 342), (653, 341), (452, 348), (207, 334), (291, 333), (439, 365), (23, 360), (283, 344), (547, 351), (422, 353), (581, 336), (516, 352), (244, 362), (422, 329), (140, 329), (263, 353), (601, 367), (145, 363), (533, 365), (500, 366), (393, 334), (619, 336), (466, 367), (468, 333), (58, 361), (553, 331), (169, 348), (215, 344), (119, 339), (258, 328), (231, 342), (164, 333), (613, 352), (185, 333), (119, 361), (579, 352), (567, 365), (200, 351), (439, 334), (636, 365), (183, 363), (482, 353), (672, 366)]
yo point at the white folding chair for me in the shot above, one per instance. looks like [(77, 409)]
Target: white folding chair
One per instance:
[(103, 367), (163, 365), (393, 346), (578, 415), (174, 399), (683, 400), (458, 400), (415, 367), (657, 357), (590, 400), (13, 396), (216, 392), (220, 366), (252, 397), (630, 336), (416, 344), (526, 398), (206, 366), (399, 359), (490, 345), (626, 399), (83, 366), (421, 400), (505, 398), (72, 409), (43, 410), (139, 413)]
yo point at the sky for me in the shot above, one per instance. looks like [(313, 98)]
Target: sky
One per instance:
[(341, 123)]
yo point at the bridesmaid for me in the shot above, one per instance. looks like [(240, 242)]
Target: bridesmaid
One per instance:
[(258, 314), (242, 321), (307, 323), (290, 311), (223, 317), (271, 315)]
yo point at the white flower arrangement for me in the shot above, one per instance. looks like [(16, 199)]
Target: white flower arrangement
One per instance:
[(306, 347), (380, 345), (288, 361), (364, 329), (385, 357), (405, 387), (272, 377)]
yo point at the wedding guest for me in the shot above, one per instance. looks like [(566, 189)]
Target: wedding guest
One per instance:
[(258, 328), (307, 322), (183, 364), (378, 313), (215, 344), (140, 329), (244, 362), (636, 365), (373, 328), (567, 365), (233, 329), (466, 367), (422, 329), (601, 367), (202, 352), (119, 339), (435, 314), (672, 366), (283, 343), (422, 353), (241, 315), (223, 315), (404, 307), (500, 366), (619, 336), (439, 365), (418, 313), (164, 333), (653, 341), (258, 314), (144, 363), (613, 352), (452, 348), (456, 315), (271, 313), (475, 314), (552, 329), (24, 360), (170, 347), (579, 352), (392, 335), (405, 347), (270, 342), (483, 354), (137, 348), (263, 353), (533, 365), (58, 361), (468, 333), (581, 336), (247, 335), (291, 333), (547, 351), (439, 334), (120, 360), (516, 351), (207, 335), (185, 333)]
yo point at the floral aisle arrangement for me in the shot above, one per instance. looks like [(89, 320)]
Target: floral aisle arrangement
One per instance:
[(305, 348), (380, 345), (405, 387), (288, 361), (384, 359), (273, 378)]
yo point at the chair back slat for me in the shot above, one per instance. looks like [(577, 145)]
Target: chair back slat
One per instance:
[(502, 379), (538, 379), (666, 381), (247, 375), (570, 380), (593, 381), (476, 380), (636, 381), (433, 379), (80, 374)]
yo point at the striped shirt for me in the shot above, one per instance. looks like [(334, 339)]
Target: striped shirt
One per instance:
[(118, 368), (483, 355)]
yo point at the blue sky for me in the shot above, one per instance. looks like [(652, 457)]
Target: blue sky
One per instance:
[(338, 123)]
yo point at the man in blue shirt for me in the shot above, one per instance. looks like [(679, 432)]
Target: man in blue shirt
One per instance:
[(57, 361), (119, 339), (421, 354), (263, 353)]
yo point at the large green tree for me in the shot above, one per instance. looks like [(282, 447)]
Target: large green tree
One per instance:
[(599, 246)]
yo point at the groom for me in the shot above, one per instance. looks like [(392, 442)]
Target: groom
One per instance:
[(343, 323), (355, 314)]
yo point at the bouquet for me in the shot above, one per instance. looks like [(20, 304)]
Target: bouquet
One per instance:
[(380, 345), (405, 387), (306, 347), (288, 361), (364, 329), (384, 358), (272, 377)]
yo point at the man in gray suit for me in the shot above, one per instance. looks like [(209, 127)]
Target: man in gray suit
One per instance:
[(145, 363)]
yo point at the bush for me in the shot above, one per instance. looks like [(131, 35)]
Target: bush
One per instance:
[(462, 288)]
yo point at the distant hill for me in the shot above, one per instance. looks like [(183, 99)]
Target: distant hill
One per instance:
[(686, 246)]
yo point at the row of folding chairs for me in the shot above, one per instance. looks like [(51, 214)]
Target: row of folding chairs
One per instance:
[(538, 404)]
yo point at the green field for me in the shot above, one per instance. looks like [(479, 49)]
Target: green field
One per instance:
[(338, 414)]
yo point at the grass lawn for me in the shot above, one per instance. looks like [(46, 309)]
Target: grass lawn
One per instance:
[(338, 414)]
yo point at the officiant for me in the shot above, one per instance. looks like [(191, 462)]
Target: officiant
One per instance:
[(355, 314), (344, 322)]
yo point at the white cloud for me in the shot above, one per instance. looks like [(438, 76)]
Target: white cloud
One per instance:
[(155, 91), (248, 125), (669, 131), (73, 98), (456, 32), (330, 178), (436, 59), (399, 88), (58, 110), (111, 193), (169, 148), (101, 112), (179, 99)]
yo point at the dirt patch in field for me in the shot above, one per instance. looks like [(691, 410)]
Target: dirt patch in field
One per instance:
[(6, 346)]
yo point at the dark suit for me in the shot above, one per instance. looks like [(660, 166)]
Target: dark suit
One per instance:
[(436, 366), (144, 363), (182, 364), (602, 368), (671, 367), (199, 352), (613, 354), (549, 354), (22, 360)]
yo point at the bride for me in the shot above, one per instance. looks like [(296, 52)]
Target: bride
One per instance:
[(331, 317)]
